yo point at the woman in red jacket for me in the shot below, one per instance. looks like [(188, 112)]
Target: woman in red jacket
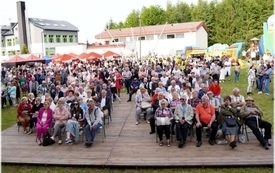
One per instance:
[(118, 81), (23, 113)]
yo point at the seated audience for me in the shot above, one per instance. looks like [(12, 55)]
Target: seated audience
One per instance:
[(143, 104), (155, 106), (252, 116), (73, 124), (34, 112), (94, 122), (23, 113), (44, 121), (105, 103), (205, 117), (228, 121), (61, 115), (183, 116), (163, 117)]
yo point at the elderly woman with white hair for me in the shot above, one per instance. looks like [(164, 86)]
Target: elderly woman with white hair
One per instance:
[(163, 117), (61, 115), (143, 104)]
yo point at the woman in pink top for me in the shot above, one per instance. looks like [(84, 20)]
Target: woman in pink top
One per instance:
[(61, 115), (44, 120)]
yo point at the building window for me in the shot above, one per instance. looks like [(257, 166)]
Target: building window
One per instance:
[(58, 39), (45, 39), (3, 53), (51, 51), (18, 52), (3, 43), (16, 41), (75, 39), (65, 39), (171, 36), (141, 38), (115, 40), (71, 38), (9, 42), (51, 39)]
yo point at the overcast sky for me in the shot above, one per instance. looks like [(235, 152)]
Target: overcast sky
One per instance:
[(90, 16)]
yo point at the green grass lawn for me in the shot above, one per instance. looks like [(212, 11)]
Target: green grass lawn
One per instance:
[(263, 101)]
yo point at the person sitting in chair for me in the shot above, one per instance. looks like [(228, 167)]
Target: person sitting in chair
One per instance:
[(105, 103), (252, 114), (183, 115), (205, 117), (143, 104), (134, 88), (94, 122)]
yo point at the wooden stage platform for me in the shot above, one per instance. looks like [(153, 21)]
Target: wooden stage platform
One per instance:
[(128, 144)]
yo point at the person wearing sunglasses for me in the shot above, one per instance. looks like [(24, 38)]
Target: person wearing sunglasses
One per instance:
[(183, 116), (73, 124)]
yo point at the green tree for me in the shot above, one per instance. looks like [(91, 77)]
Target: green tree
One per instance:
[(132, 20), (111, 25), (24, 49), (152, 15)]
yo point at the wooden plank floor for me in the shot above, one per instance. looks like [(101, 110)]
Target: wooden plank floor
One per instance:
[(128, 144)]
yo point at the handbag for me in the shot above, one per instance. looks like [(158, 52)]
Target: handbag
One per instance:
[(161, 121), (145, 105), (47, 140), (231, 122)]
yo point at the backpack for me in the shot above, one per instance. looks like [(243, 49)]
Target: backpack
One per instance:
[(47, 140)]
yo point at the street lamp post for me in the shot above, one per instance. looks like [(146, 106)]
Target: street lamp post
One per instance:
[(140, 38)]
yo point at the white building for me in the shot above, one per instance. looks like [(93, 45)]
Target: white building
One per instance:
[(43, 36), (166, 39)]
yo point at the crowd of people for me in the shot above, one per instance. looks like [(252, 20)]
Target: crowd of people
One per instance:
[(79, 95)]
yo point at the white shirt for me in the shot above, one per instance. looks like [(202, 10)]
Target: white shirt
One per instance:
[(197, 71), (176, 87), (83, 95), (103, 101), (164, 80)]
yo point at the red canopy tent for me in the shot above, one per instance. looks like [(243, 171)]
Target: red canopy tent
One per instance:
[(93, 56), (15, 59), (110, 54), (55, 56), (83, 56), (65, 57), (72, 55), (33, 58)]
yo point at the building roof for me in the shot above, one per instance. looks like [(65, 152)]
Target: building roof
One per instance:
[(7, 30), (55, 25), (152, 30)]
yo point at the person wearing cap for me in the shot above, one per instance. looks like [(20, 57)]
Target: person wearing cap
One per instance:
[(183, 116), (252, 116)]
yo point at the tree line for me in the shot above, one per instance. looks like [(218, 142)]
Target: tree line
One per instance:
[(228, 21)]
